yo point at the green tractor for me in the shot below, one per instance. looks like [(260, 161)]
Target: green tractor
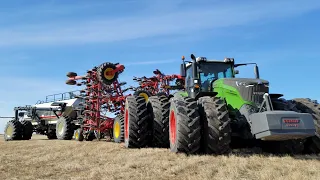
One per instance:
[(217, 110)]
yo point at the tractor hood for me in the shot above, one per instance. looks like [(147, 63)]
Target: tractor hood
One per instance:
[(251, 90), (238, 82)]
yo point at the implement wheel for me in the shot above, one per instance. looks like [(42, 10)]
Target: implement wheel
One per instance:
[(184, 126), (51, 134), (142, 92), (118, 129), (105, 73), (312, 145), (136, 123), (216, 125), (78, 135), (13, 130), (64, 128)]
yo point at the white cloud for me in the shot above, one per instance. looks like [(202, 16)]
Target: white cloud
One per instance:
[(150, 25)]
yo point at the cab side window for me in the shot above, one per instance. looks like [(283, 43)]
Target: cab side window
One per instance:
[(189, 76)]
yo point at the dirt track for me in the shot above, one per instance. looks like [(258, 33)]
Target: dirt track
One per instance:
[(40, 158)]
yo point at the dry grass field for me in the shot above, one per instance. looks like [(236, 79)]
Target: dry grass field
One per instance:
[(40, 158)]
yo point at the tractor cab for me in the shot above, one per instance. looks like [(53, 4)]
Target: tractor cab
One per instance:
[(200, 73)]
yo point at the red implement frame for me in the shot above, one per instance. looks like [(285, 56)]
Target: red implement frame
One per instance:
[(103, 92), (160, 82)]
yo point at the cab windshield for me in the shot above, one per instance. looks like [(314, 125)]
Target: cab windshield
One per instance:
[(213, 71)]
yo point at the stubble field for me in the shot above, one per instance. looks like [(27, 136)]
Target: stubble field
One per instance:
[(40, 158)]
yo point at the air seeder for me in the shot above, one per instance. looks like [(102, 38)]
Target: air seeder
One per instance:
[(85, 115), (41, 117), (215, 109)]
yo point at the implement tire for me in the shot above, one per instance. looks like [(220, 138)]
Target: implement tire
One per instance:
[(184, 126), (78, 135), (312, 145), (64, 128), (118, 129), (137, 123), (51, 134), (216, 125), (13, 130), (102, 73), (27, 129), (142, 92), (287, 146), (158, 107)]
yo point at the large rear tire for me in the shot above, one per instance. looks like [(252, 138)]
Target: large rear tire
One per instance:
[(312, 145), (216, 125), (158, 107), (64, 128), (136, 123), (27, 130), (13, 130), (184, 126), (118, 129)]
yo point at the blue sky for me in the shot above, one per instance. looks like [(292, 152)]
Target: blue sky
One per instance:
[(40, 41)]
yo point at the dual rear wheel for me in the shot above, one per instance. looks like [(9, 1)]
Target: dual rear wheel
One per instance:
[(18, 130), (181, 123)]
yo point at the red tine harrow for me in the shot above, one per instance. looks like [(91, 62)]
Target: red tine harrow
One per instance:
[(102, 95), (159, 84)]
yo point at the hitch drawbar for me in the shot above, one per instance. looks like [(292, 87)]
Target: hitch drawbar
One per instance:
[(282, 125)]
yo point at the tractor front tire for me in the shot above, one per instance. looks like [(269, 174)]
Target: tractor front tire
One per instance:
[(216, 125), (64, 128), (136, 123), (13, 130), (312, 145), (184, 126), (158, 107), (118, 129), (27, 130)]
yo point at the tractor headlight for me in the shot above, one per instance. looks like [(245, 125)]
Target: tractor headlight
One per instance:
[(228, 60), (201, 59)]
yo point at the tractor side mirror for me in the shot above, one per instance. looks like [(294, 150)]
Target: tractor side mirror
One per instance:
[(183, 70), (256, 71), (236, 71), (193, 57)]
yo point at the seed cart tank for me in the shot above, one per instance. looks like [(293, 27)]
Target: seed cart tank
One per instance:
[(42, 117)]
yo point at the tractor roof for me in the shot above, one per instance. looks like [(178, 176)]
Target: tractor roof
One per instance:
[(203, 59)]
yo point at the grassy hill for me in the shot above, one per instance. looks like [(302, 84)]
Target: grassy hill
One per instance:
[(40, 158)]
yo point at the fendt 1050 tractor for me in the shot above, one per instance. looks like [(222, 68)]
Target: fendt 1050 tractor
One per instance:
[(217, 110)]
